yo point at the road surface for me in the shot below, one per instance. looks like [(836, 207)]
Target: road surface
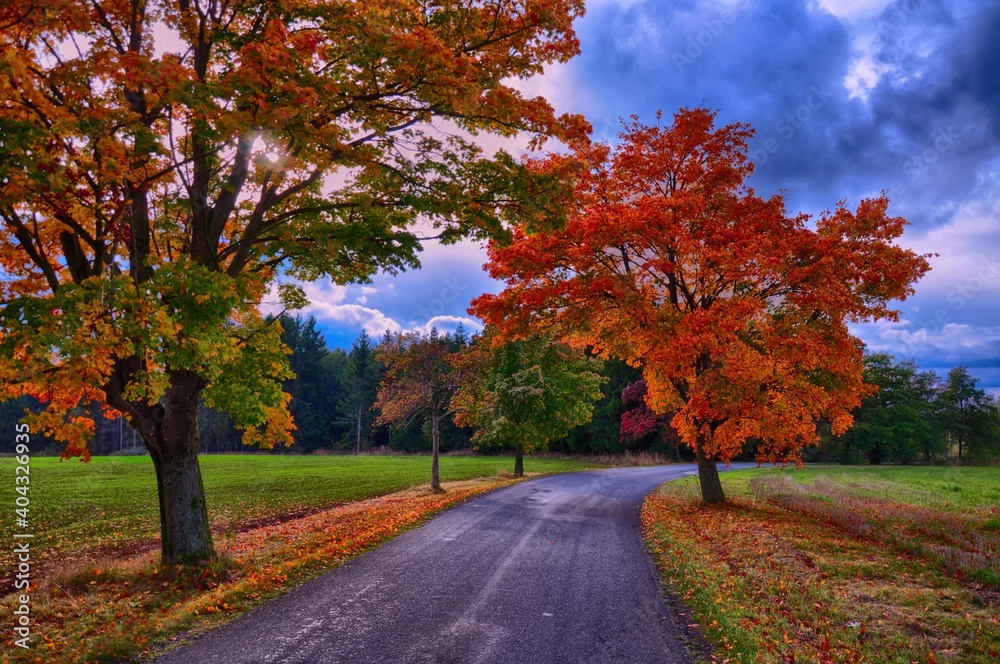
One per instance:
[(550, 570)]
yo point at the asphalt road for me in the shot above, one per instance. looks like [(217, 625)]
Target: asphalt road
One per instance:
[(550, 570)]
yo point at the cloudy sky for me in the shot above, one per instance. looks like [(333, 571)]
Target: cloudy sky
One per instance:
[(848, 97)]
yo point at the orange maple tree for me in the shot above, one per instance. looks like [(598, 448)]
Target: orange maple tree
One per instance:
[(419, 379), (164, 162), (736, 311)]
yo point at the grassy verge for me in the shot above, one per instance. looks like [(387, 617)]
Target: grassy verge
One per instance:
[(108, 600), (837, 564), (109, 505)]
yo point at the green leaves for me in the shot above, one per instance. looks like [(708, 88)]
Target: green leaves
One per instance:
[(525, 393), (154, 189)]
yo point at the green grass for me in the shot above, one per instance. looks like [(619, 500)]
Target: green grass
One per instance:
[(127, 608), (837, 564), (111, 502), (954, 488)]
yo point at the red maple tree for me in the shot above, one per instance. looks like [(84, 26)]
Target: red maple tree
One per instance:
[(736, 310)]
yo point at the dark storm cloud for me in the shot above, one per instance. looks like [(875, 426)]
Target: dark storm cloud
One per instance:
[(923, 130), (939, 102), (779, 68), (906, 99)]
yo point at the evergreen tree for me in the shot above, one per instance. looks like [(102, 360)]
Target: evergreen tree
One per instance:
[(361, 381), (314, 388), (968, 416), (216, 431), (460, 337), (603, 433), (11, 412)]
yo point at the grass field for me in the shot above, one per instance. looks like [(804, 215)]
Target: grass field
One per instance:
[(99, 594), (118, 609), (837, 564), (110, 503)]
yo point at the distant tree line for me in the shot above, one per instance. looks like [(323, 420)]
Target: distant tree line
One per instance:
[(917, 416), (914, 417)]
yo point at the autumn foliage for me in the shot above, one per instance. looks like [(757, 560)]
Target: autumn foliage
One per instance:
[(127, 607), (163, 162), (419, 380), (853, 566), (736, 310)]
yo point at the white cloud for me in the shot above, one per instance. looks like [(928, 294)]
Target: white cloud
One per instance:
[(860, 17), (365, 292), (448, 324), (356, 316), (967, 265), (852, 11), (953, 342), (326, 305), (865, 69)]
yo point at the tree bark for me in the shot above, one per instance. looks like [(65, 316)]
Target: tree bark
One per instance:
[(357, 449), (518, 461), (708, 477), (186, 536), (435, 446)]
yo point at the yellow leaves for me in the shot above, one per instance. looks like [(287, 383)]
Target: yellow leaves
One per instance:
[(136, 258), (277, 428)]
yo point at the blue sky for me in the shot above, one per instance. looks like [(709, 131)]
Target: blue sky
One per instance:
[(848, 97)]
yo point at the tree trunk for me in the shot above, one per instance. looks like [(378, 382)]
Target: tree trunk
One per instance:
[(708, 477), (184, 527), (435, 447), (518, 461), (357, 449)]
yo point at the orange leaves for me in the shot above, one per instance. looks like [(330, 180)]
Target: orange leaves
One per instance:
[(736, 311), (786, 577), (129, 602), (141, 151), (420, 376)]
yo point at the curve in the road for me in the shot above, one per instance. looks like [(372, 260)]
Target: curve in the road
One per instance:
[(550, 570)]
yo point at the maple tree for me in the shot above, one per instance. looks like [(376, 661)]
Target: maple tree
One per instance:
[(164, 162), (523, 394), (736, 311), (419, 379)]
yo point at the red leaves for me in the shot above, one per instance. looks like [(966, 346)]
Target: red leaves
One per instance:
[(737, 311)]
